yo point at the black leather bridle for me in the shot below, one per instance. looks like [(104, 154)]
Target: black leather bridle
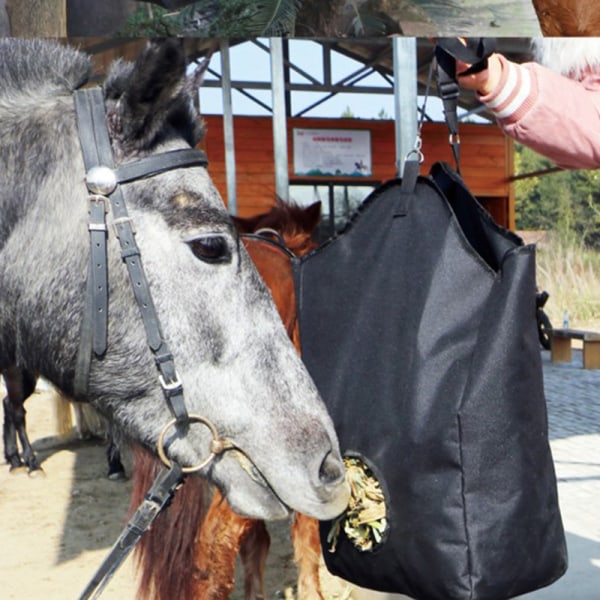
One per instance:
[(104, 181)]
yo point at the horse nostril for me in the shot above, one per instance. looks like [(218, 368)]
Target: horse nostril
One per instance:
[(331, 471)]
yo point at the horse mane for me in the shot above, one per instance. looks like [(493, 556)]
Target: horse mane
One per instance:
[(41, 67), (165, 555)]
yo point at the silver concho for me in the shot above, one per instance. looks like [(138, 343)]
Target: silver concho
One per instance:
[(101, 180)]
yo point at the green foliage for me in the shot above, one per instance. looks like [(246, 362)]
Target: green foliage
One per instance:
[(567, 202), (148, 22), (273, 18), (213, 18)]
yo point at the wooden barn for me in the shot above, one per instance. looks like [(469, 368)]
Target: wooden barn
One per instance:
[(486, 159)]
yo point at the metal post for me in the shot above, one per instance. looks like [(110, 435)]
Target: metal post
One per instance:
[(279, 119), (228, 128), (405, 97)]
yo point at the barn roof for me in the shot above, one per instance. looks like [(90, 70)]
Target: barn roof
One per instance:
[(376, 54)]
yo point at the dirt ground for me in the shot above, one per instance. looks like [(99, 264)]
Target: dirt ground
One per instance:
[(56, 529)]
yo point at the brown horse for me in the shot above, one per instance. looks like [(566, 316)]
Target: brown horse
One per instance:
[(206, 533), (560, 18)]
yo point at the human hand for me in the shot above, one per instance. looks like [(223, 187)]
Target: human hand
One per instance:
[(483, 82)]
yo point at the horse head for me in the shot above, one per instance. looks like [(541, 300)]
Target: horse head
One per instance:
[(291, 226), (237, 365), (295, 224)]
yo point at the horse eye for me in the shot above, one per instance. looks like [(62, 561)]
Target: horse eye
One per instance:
[(211, 249)]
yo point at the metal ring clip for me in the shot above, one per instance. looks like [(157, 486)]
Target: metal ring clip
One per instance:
[(454, 138), (217, 444)]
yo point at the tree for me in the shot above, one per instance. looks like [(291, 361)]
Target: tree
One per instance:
[(347, 114), (566, 201)]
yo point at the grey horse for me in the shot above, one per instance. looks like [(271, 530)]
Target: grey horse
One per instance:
[(238, 368)]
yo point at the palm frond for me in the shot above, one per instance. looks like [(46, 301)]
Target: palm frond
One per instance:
[(274, 17), (367, 23)]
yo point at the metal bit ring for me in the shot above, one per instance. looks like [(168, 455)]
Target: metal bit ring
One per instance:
[(217, 445)]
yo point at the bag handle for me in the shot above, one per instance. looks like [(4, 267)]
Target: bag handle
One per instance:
[(407, 187), (474, 51)]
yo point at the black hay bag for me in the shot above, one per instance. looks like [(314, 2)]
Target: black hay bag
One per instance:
[(418, 326)]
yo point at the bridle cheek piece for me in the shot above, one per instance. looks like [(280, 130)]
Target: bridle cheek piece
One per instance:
[(103, 180)]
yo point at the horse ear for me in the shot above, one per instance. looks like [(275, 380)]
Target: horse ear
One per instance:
[(244, 224), (154, 91), (312, 215)]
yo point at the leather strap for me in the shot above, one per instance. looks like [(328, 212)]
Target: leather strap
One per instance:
[(159, 163), (475, 51), (94, 326), (98, 273), (257, 237), (410, 177), (97, 152), (156, 499)]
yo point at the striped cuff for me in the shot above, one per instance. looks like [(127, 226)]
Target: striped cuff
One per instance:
[(513, 95)]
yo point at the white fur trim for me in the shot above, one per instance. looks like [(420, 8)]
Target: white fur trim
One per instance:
[(570, 56)]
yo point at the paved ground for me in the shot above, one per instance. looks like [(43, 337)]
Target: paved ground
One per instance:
[(573, 396)]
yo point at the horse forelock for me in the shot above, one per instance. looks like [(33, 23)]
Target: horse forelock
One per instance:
[(42, 66)]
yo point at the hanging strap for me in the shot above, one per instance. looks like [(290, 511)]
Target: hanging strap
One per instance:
[(410, 176), (475, 51)]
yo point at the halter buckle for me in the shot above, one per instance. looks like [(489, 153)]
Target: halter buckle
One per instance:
[(122, 221), (171, 385)]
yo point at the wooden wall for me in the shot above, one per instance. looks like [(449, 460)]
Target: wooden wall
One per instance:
[(486, 157)]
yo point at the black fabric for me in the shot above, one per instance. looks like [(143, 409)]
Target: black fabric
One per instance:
[(418, 326), (474, 51)]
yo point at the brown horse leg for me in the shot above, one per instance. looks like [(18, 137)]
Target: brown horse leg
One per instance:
[(307, 552), (217, 546), (253, 552)]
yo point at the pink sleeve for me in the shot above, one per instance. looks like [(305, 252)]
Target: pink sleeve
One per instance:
[(552, 114)]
